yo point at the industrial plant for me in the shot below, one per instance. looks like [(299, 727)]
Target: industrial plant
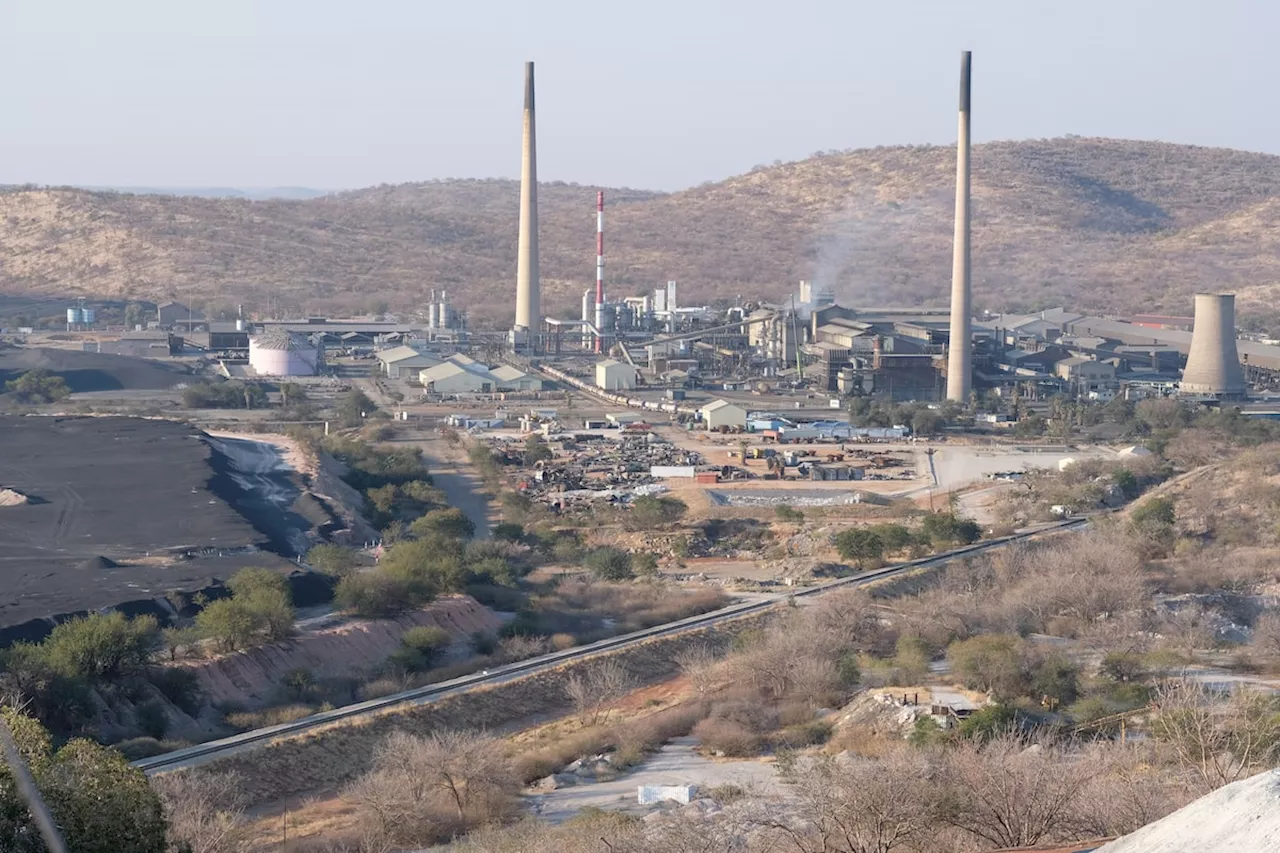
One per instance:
[(654, 348)]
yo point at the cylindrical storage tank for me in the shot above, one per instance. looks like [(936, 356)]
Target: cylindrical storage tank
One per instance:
[(278, 353), (446, 315), (433, 316), (87, 316), (73, 315), (1213, 363), (239, 324)]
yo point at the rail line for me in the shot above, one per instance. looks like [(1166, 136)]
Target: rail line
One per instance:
[(200, 753)]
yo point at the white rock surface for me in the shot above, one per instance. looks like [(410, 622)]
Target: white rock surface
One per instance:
[(1243, 817)]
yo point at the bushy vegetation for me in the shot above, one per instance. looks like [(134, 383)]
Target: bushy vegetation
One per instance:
[(37, 387), (259, 610), (867, 546), (99, 802), (224, 395), (648, 512)]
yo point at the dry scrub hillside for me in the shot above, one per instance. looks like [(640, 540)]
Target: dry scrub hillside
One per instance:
[(1105, 224)]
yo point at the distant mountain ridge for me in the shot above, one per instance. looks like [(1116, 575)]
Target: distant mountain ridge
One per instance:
[(255, 193), (1100, 224)]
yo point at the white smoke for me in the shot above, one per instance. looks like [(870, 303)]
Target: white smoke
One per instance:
[(862, 252)]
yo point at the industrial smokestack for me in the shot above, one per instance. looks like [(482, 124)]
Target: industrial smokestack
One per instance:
[(1213, 365), (528, 317), (600, 272), (960, 350)]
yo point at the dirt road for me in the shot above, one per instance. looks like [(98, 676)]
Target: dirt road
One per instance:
[(453, 474), (675, 764)]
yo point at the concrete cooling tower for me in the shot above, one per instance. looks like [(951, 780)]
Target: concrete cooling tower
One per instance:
[(1213, 365)]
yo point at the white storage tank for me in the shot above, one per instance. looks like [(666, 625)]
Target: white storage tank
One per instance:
[(87, 316), (276, 352)]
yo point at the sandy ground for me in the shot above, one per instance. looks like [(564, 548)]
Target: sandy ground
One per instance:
[(675, 764)]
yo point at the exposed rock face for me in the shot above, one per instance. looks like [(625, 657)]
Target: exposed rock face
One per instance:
[(1243, 817)]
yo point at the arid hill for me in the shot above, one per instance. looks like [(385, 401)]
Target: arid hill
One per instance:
[(1104, 224)]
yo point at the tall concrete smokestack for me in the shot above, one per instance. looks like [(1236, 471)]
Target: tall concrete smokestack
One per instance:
[(1213, 365), (960, 351), (600, 271), (528, 317)]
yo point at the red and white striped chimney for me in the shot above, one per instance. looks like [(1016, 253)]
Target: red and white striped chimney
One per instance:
[(600, 271)]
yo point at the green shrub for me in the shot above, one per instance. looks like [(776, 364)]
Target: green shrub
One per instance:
[(789, 514), (610, 564), (420, 647), (988, 722), (332, 559), (926, 733), (860, 545), (102, 647), (152, 719), (650, 512), (805, 734), (179, 685), (946, 530), (508, 532)]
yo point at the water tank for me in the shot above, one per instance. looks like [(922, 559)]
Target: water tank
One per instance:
[(86, 316), (73, 315)]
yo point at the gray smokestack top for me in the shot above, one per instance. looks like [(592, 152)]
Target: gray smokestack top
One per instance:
[(528, 86), (966, 61)]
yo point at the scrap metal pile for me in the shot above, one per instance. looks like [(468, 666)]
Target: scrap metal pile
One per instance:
[(590, 467)]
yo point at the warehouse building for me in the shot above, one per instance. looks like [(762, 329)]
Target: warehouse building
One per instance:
[(614, 375), (405, 362), (452, 378), (721, 414), (509, 378)]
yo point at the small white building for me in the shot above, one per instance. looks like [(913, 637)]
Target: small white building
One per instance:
[(404, 362), (511, 378), (614, 375), (450, 378), (722, 413)]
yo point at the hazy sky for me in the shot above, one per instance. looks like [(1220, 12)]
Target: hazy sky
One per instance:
[(657, 94)]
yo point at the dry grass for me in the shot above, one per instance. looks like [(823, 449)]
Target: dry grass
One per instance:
[(341, 752)]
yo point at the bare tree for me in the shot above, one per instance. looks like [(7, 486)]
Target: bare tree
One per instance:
[(1010, 792), (423, 789), (698, 664), (855, 806), (205, 811), (1220, 738), (592, 691)]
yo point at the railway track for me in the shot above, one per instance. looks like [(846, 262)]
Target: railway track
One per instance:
[(201, 753)]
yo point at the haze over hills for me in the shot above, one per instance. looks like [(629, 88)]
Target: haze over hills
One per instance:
[(1105, 225)]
